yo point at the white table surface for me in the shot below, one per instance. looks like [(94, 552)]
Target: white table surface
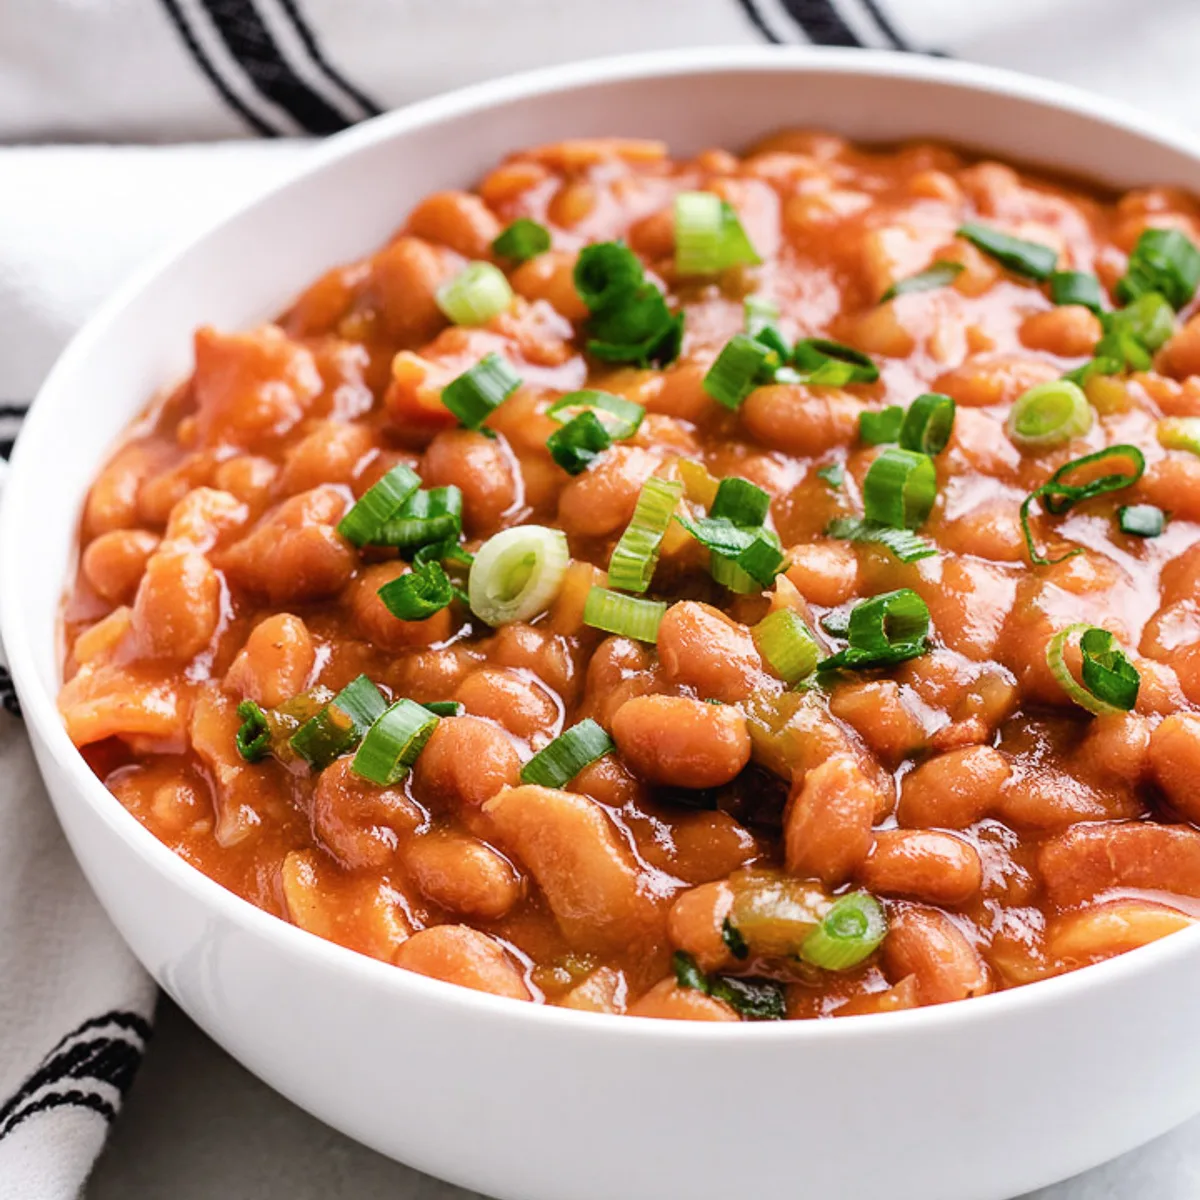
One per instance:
[(197, 1126)]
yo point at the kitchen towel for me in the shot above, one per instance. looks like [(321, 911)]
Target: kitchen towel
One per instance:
[(76, 218)]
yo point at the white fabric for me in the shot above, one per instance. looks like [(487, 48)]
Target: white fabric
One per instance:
[(75, 219)]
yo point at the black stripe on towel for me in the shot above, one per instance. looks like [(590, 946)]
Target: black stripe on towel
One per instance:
[(241, 27), (886, 27), (213, 75), (309, 40), (8, 694), (821, 22), (756, 19)]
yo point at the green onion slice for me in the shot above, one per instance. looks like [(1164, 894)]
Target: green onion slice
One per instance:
[(882, 631), (340, 724), (619, 416), (755, 553), (1049, 414), (418, 594), (363, 523), (928, 424), (1077, 287), (426, 516), (1030, 259), (1141, 520), (834, 474), (1110, 681), (876, 428), (740, 501), (1164, 261), (904, 545), (709, 238), (391, 745), (688, 973), (734, 942), (1179, 433), (761, 317), (579, 442), (635, 555), (1131, 336), (850, 932), (555, 765), (444, 708), (940, 274), (743, 364), (754, 999), (899, 488), (479, 292), (787, 644), (522, 240), (832, 364), (1058, 494), (253, 738), (517, 573), (629, 616), (477, 392)]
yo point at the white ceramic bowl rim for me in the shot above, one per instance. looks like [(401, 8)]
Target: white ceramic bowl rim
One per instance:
[(39, 705)]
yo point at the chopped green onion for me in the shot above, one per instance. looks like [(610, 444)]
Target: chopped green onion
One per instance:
[(517, 573), (391, 745), (754, 999), (850, 932), (628, 616), (475, 295), (1077, 287), (1058, 494), (820, 361), (579, 442), (1141, 520), (1179, 433), (834, 474), (941, 273), (1110, 681), (743, 364), (928, 424), (1164, 261), (882, 631), (787, 644), (418, 594), (745, 560), (443, 552), (734, 942), (444, 708), (474, 394), (428, 516), (709, 238), (836, 623), (371, 511), (740, 501), (1030, 259), (253, 738), (688, 973), (899, 488), (619, 416), (1049, 414), (904, 545), (630, 321), (340, 724), (878, 428), (522, 240), (761, 315), (555, 765), (635, 555), (1131, 336)]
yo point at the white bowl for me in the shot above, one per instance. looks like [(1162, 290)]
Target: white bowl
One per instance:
[(972, 1101)]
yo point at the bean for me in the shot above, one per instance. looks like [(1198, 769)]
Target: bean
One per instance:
[(1091, 858), (405, 277), (827, 823), (701, 648), (698, 847), (926, 944), (602, 500), (248, 477), (581, 864), (551, 277), (696, 922), (1103, 930), (159, 494), (463, 875), (461, 955), (611, 782), (539, 651), (935, 867), (1117, 748), (275, 663), (177, 607), (1181, 355), (424, 675), (458, 220), (466, 761), (203, 517), (1069, 330), (988, 380), (903, 995), (294, 554), (102, 700), (991, 530), (484, 469), (514, 699), (668, 1001), (825, 573), (605, 990), (1175, 762), (332, 453), (113, 563), (576, 154), (677, 741), (798, 420), (1038, 796), (112, 502), (357, 821), (878, 711), (100, 641), (953, 790), (374, 620)]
